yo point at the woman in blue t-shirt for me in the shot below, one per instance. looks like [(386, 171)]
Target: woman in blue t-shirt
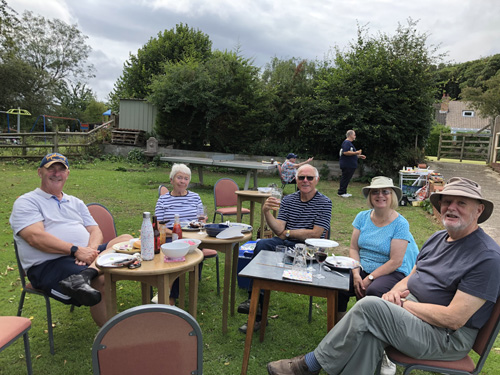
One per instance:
[(381, 241)]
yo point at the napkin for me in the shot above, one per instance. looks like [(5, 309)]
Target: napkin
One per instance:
[(231, 232), (298, 275)]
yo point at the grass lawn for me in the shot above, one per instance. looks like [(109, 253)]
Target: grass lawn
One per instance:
[(128, 190)]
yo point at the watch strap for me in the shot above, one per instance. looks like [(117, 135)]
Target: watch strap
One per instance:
[(73, 250)]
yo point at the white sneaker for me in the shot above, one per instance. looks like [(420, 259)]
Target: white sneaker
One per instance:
[(388, 367), (345, 195), (349, 195), (154, 299)]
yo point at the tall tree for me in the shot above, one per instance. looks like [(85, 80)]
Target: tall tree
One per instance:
[(383, 88), (487, 99), (174, 45)]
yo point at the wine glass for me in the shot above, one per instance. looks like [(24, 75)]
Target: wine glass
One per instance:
[(310, 251), (201, 216), (320, 256)]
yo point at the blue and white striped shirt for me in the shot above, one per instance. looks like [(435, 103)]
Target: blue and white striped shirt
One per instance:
[(305, 215), (167, 206)]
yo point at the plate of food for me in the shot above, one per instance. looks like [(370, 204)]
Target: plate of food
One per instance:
[(128, 247), (115, 260), (343, 263), (245, 228), (192, 226)]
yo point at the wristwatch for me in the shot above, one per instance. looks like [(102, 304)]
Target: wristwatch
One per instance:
[(73, 250), (287, 234), (370, 277)]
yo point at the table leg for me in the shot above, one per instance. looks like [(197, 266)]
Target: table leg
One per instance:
[(145, 295), (252, 211), (200, 174), (110, 296), (193, 290), (182, 291), (331, 309), (265, 307), (239, 202), (164, 289), (247, 180), (250, 324), (227, 280), (255, 179), (234, 272), (262, 222)]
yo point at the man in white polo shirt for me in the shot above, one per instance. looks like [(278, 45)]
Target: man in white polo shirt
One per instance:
[(58, 240)]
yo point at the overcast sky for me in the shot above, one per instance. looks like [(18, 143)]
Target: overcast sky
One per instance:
[(308, 29)]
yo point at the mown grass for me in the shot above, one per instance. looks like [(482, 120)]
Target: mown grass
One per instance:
[(128, 190)]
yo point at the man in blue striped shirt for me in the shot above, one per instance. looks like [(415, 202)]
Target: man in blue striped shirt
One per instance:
[(303, 214)]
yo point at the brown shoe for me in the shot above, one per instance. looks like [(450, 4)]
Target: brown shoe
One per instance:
[(294, 366)]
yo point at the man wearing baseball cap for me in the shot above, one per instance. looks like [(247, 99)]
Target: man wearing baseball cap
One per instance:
[(58, 240), (433, 313)]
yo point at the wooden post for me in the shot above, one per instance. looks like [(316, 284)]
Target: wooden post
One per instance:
[(439, 147), (55, 148), (462, 148)]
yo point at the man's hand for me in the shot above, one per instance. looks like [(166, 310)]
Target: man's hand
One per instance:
[(394, 296), (271, 204), (85, 255)]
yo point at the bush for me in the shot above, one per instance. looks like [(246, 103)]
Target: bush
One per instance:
[(433, 141)]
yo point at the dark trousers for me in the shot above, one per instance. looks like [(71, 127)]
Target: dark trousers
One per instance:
[(377, 288), (347, 174)]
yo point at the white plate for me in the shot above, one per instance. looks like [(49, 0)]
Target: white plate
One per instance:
[(125, 247), (108, 260), (245, 228), (233, 232), (321, 242), (341, 262)]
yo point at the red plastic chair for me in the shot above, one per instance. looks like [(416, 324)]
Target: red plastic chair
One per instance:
[(465, 366), (225, 198), (104, 219), (11, 328), (162, 190)]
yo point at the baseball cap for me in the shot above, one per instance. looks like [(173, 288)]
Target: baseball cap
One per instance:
[(52, 158), (291, 155)]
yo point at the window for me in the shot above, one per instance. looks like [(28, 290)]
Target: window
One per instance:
[(468, 113)]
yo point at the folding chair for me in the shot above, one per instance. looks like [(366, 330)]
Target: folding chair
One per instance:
[(283, 182), (465, 366), (28, 288), (11, 328), (225, 198), (149, 339)]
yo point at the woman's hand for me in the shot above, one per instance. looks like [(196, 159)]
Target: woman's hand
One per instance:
[(359, 286)]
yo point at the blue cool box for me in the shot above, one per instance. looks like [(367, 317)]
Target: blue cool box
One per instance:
[(244, 257)]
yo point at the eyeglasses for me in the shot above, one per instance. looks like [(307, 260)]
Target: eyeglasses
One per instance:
[(384, 192), (309, 178)]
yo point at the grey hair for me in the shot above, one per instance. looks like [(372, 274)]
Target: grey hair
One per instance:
[(349, 133), (306, 165), (182, 168)]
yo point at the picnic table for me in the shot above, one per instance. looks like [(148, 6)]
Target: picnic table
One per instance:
[(251, 166)]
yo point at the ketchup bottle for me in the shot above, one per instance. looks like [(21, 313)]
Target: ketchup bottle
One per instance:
[(176, 230)]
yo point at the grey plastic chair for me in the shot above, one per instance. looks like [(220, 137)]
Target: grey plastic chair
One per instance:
[(149, 339)]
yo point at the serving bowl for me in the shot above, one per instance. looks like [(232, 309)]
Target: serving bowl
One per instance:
[(175, 249), (192, 242), (265, 190), (214, 229)]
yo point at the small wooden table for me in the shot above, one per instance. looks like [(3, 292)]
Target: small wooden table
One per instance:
[(252, 196), (230, 248), (267, 276), (155, 273)]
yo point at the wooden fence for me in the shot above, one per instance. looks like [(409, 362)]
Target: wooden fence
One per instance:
[(37, 145), (464, 146)]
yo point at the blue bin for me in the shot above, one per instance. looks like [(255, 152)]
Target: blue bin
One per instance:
[(244, 257)]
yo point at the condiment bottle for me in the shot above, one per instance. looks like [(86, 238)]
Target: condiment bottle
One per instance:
[(156, 233), (176, 230), (147, 237)]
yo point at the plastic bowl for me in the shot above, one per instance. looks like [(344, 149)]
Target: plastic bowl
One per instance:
[(265, 190), (214, 229), (175, 249), (192, 242)]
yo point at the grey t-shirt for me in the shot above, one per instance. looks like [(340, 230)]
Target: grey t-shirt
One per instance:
[(470, 264)]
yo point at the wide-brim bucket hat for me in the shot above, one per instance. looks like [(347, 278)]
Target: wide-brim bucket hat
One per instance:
[(382, 182), (463, 187)]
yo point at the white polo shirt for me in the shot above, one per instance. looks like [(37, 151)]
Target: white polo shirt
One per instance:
[(66, 219)]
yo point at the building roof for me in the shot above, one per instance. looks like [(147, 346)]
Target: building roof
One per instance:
[(461, 116)]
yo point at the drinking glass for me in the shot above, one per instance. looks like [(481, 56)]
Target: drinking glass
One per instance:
[(310, 251), (277, 193), (201, 216), (320, 256), (280, 254)]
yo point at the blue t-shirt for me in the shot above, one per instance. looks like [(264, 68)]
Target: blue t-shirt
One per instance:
[(375, 242), (346, 161)]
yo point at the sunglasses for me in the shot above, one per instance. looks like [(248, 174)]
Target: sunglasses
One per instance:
[(309, 178), (384, 192)]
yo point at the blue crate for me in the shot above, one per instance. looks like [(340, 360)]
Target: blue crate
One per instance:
[(244, 257), (410, 190)]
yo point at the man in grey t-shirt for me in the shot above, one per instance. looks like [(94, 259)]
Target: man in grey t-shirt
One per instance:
[(58, 240), (433, 313)]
